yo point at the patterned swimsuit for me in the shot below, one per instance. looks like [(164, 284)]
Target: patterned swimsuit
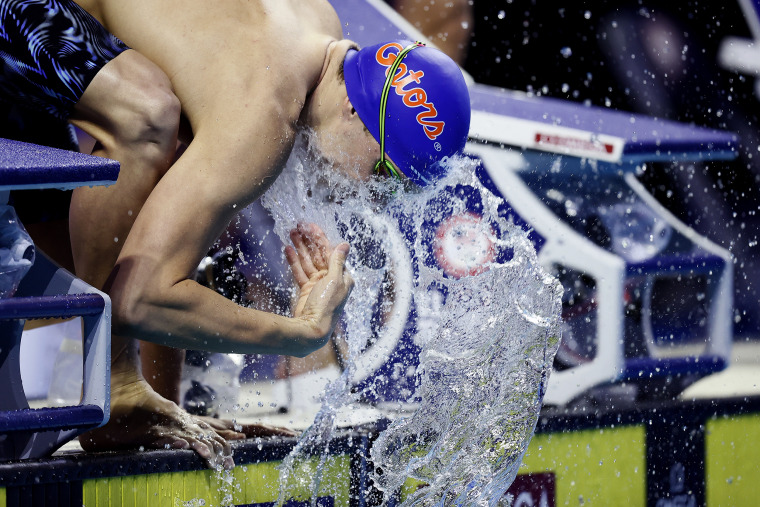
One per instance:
[(50, 51)]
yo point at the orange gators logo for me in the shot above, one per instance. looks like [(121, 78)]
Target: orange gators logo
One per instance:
[(411, 97)]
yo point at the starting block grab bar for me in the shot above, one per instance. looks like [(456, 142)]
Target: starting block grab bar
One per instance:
[(37, 432)]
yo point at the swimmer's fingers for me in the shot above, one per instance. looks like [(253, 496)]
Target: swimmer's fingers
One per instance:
[(304, 255), (318, 245), (295, 266)]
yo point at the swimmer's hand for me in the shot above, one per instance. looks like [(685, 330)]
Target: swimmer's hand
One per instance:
[(323, 281)]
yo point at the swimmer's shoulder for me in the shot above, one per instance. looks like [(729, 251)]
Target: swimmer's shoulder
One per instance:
[(311, 15), (328, 19)]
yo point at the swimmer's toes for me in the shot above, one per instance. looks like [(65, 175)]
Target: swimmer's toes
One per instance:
[(213, 458), (231, 435), (204, 449), (180, 444)]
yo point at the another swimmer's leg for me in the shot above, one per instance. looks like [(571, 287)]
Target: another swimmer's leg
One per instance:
[(131, 111), (447, 24)]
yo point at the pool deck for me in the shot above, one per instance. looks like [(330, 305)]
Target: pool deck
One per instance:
[(740, 379)]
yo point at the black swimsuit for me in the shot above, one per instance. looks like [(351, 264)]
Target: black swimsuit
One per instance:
[(50, 51)]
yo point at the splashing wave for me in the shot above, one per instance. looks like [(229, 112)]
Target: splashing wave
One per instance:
[(485, 355)]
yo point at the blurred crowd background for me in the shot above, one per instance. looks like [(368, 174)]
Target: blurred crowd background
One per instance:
[(654, 58)]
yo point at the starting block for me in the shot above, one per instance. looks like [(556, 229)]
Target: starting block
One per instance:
[(47, 291)]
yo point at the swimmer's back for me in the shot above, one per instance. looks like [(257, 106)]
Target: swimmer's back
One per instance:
[(226, 52)]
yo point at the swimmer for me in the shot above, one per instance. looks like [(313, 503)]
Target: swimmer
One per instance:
[(235, 81)]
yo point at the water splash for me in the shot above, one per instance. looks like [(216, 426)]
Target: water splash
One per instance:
[(482, 380), (486, 352)]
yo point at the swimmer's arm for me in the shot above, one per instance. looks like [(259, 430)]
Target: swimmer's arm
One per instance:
[(153, 296)]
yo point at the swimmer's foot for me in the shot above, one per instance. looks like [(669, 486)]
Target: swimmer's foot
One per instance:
[(231, 430), (142, 418)]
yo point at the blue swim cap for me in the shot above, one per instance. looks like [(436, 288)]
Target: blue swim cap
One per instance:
[(428, 106)]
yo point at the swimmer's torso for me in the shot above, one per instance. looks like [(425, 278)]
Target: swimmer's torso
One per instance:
[(228, 53)]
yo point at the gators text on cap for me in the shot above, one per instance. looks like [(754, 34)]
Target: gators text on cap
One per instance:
[(427, 111)]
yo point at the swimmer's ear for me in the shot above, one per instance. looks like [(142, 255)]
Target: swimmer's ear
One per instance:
[(349, 111), (354, 116)]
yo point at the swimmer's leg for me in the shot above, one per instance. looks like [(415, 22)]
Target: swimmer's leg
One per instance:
[(162, 368), (131, 111)]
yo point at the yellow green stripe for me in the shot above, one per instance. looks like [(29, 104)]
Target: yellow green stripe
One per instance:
[(257, 483), (604, 466), (732, 449)]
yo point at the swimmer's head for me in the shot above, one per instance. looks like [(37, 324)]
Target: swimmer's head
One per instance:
[(419, 116)]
